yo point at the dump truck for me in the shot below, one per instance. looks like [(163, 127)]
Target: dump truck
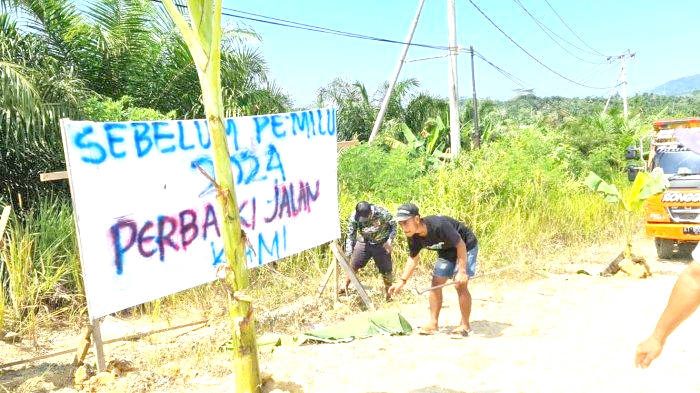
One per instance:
[(672, 217)]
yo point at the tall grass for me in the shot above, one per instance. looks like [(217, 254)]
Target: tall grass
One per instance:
[(523, 200), (39, 268)]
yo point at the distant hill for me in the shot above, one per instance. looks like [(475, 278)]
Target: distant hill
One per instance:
[(679, 87)]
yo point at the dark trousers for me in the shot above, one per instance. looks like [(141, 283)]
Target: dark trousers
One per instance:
[(362, 252)]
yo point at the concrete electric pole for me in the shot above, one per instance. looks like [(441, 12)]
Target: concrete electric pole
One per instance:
[(455, 145), (622, 76), (476, 135), (397, 71)]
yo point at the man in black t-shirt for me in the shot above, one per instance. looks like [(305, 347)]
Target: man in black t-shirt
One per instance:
[(457, 250)]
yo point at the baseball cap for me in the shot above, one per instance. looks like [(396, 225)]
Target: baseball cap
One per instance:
[(362, 211), (406, 211)]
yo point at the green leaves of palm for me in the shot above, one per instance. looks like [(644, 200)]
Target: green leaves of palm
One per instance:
[(356, 113)]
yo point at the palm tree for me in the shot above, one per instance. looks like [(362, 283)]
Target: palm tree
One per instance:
[(37, 90), (357, 111), (423, 107), (131, 47), (401, 93)]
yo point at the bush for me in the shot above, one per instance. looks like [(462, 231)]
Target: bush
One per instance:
[(368, 170)]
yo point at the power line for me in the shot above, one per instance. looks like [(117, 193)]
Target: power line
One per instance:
[(546, 30), (239, 14), (533, 57), (303, 26), (507, 74), (583, 77), (426, 58), (572, 32), (307, 27)]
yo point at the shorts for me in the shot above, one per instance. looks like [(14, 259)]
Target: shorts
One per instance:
[(362, 252), (447, 268)]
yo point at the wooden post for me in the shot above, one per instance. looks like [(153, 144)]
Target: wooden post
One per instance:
[(83, 347), (97, 340), (326, 276), (336, 287), (51, 176), (3, 222), (340, 257)]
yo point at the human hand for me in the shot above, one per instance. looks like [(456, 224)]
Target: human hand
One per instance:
[(387, 247), (647, 351), (395, 288), (461, 278)]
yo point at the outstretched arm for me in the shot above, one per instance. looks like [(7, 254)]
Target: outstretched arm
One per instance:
[(684, 300), (411, 264)]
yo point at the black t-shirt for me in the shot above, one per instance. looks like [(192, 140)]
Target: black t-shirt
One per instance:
[(444, 233)]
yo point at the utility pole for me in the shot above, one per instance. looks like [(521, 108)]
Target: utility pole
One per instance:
[(605, 108), (397, 71), (623, 76), (476, 136), (452, 79), (624, 80)]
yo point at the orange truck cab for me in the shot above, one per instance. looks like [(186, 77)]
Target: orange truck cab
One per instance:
[(672, 217)]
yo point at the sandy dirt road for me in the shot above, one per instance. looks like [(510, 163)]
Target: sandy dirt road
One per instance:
[(564, 332)]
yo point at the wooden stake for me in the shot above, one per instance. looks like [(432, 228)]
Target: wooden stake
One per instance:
[(99, 350), (51, 176), (340, 257), (83, 347), (326, 276), (3, 222), (336, 287)]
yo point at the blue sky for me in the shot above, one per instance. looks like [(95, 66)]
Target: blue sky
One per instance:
[(661, 34)]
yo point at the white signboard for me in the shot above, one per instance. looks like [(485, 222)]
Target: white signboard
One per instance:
[(147, 218)]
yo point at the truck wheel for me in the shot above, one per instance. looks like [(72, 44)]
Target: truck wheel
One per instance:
[(686, 248), (664, 248)]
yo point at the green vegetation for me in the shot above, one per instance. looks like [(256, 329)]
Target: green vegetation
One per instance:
[(644, 186), (40, 268), (522, 191)]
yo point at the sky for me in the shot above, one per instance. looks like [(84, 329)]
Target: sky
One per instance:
[(561, 44)]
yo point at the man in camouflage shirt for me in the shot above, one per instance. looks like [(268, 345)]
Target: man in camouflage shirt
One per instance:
[(371, 230)]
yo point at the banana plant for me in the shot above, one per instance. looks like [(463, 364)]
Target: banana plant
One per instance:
[(428, 143), (203, 37), (644, 186)]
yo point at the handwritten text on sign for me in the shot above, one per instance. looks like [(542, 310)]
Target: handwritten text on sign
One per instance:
[(148, 219)]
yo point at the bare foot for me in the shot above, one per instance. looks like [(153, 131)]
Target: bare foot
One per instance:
[(461, 331), (462, 328), (429, 328)]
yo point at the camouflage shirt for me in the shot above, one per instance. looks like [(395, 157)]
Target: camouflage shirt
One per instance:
[(376, 229)]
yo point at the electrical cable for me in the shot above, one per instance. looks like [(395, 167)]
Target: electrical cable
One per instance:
[(572, 32), (303, 26), (533, 57), (507, 74), (318, 29), (583, 77), (307, 27), (546, 30)]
